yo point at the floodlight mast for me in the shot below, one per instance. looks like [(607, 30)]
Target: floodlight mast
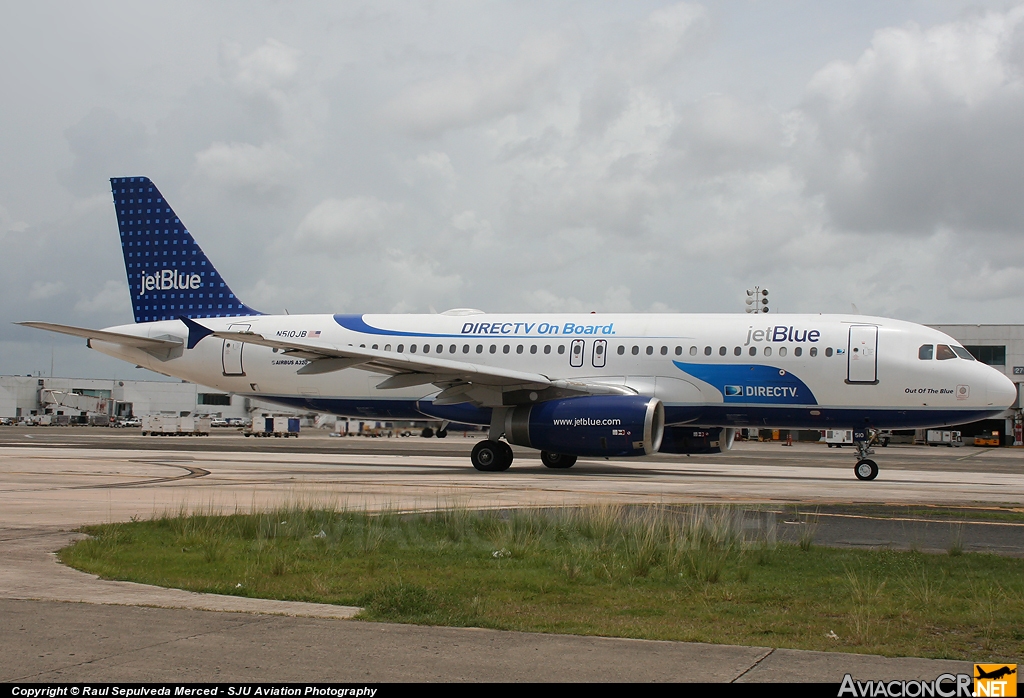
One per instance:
[(757, 300)]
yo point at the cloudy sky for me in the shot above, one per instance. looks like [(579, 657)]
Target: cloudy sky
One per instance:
[(555, 156)]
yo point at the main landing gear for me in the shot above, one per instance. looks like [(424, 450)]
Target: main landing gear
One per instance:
[(866, 469), (557, 460), (492, 456)]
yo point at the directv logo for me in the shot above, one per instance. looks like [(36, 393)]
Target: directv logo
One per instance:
[(733, 390), (168, 280)]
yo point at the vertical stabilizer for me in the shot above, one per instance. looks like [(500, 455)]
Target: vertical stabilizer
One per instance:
[(169, 276)]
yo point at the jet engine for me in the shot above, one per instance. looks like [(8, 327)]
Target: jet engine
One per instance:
[(598, 425)]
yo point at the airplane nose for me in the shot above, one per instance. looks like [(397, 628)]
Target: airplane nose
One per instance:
[(1001, 390)]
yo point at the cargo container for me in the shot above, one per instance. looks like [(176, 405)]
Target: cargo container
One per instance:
[(274, 426), (174, 425)]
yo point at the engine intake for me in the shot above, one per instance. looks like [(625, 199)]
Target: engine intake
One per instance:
[(598, 425)]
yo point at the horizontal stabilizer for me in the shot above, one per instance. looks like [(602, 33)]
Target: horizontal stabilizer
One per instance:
[(161, 348)]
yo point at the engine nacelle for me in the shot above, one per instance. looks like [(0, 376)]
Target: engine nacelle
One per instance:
[(599, 425)]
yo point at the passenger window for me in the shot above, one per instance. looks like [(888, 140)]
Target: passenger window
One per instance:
[(942, 352), (926, 352), (798, 351), (962, 353), (519, 348), (707, 351), (374, 346), (465, 348), (479, 348), (636, 350), (547, 349), (440, 348), (828, 351), (814, 351), (412, 349), (401, 348), (561, 348), (693, 351), (721, 351), (452, 349), (664, 351), (533, 348), (494, 348), (679, 351), (753, 351), (426, 348), (650, 351), (738, 350), (621, 350), (505, 349), (768, 351), (387, 347)]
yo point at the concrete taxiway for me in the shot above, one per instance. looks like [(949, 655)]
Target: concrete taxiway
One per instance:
[(54, 480)]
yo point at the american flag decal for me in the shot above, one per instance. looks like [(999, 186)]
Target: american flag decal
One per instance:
[(315, 334)]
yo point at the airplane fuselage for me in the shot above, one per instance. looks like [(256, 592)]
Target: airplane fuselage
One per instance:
[(784, 371)]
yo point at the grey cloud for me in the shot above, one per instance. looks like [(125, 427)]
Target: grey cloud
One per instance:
[(923, 130)]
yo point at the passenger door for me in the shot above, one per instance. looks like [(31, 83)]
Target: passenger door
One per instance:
[(600, 350), (862, 354)]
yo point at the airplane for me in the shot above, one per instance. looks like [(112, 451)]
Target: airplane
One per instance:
[(570, 385)]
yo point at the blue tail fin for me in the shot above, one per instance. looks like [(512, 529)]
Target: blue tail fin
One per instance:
[(168, 274)]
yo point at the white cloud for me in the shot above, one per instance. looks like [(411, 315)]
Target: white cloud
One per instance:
[(268, 70), (342, 227), (42, 290), (111, 298), (258, 171), (495, 87)]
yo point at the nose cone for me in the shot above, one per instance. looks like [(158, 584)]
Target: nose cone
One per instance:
[(1002, 392)]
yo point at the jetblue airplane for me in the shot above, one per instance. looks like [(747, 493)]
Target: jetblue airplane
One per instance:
[(570, 385)]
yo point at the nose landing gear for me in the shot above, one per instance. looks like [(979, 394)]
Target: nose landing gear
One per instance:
[(866, 469)]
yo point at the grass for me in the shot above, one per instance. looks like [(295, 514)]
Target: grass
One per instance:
[(685, 573)]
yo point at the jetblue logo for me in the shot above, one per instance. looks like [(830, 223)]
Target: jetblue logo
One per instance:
[(781, 334), (169, 280)]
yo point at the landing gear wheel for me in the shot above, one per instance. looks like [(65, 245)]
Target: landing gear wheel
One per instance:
[(427, 432), (441, 433), (866, 469), (491, 456), (557, 460), (507, 453)]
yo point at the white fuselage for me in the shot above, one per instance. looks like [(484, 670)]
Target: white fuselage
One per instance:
[(801, 371)]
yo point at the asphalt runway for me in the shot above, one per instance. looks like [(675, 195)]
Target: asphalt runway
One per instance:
[(53, 480)]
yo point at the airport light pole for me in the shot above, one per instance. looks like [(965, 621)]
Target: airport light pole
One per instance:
[(757, 300)]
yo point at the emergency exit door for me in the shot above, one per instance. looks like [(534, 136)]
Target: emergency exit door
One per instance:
[(231, 353), (862, 354)]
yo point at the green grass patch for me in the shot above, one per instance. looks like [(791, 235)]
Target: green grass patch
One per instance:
[(659, 573)]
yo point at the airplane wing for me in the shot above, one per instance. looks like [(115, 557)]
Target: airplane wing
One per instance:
[(162, 349), (457, 378)]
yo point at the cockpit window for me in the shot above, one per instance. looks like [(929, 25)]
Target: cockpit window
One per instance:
[(926, 352), (942, 352), (962, 353)]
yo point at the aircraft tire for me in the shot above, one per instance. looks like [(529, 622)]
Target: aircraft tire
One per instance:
[(866, 469), (441, 433), (558, 461), (427, 432), (490, 456), (507, 455)]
